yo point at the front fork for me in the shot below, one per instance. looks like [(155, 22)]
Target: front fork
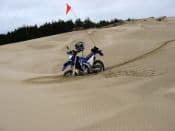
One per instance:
[(74, 70)]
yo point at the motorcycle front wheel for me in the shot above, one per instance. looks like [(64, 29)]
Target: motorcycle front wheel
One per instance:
[(68, 73)]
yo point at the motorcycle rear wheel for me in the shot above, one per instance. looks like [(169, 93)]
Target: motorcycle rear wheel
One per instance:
[(98, 66)]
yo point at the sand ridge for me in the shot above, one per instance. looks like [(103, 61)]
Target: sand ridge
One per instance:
[(135, 93)]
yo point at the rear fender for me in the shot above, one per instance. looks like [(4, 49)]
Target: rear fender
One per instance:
[(91, 60)]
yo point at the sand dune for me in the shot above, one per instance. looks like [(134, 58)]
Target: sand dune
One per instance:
[(135, 93)]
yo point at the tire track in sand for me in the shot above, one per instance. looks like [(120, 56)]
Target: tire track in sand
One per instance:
[(140, 57), (61, 79)]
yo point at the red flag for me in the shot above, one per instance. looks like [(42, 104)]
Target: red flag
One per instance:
[(68, 8)]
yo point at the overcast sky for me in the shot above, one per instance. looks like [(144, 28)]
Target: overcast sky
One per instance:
[(16, 13)]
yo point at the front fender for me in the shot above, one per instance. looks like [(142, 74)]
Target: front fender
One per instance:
[(69, 63)]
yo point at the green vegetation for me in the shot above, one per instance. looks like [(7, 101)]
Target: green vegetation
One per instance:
[(32, 32)]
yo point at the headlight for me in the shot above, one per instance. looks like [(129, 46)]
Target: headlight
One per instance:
[(70, 57)]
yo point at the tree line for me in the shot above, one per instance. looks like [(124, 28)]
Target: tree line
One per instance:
[(52, 28)]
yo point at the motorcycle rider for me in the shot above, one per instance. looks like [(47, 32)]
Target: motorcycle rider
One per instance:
[(79, 46)]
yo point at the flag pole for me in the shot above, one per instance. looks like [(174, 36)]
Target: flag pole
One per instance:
[(86, 31)]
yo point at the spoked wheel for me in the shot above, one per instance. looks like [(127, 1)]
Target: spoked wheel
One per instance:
[(68, 73), (98, 66)]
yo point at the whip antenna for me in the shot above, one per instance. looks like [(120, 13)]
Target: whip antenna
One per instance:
[(68, 9)]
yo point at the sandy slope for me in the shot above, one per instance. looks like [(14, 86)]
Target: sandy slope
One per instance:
[(135, 93)]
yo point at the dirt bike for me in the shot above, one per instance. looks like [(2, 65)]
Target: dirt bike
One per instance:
[(83, 65)]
